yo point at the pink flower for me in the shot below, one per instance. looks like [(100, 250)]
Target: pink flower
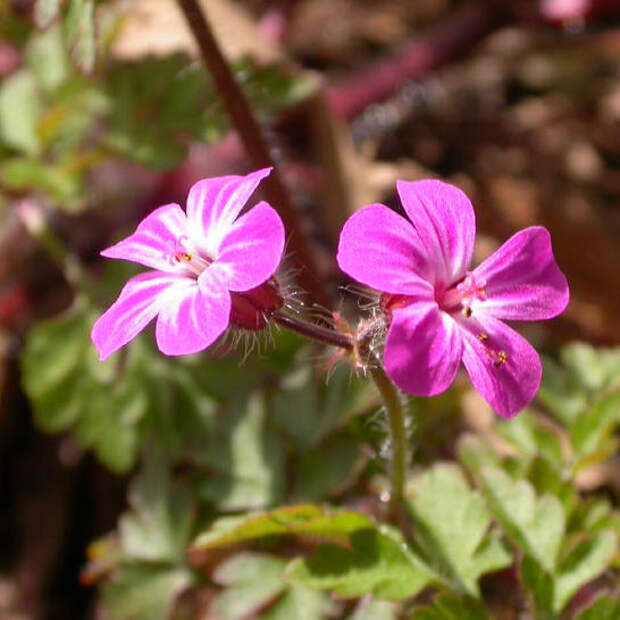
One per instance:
[(206, 263), (439, 312), (564, 10)]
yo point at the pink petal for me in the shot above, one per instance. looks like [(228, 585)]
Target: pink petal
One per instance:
[(509, 386), (444, 219), (154, 241), (523, 281), (380, 249), (193, 318), (137, 304), (214, 204), (423, 349), (252, 249)]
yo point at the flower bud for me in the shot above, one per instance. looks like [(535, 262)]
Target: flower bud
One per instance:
[(251, 309)]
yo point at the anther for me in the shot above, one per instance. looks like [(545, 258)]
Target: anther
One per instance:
[(483, 337), (501, 359), (467, 311)]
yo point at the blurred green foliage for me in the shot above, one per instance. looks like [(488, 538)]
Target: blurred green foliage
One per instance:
[(58, 119)]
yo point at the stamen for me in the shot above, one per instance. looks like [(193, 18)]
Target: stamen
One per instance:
[(501, 359), (185, 252), (462, 296), (498, 358)]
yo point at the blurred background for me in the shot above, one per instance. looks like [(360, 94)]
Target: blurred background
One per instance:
[(106, 112)]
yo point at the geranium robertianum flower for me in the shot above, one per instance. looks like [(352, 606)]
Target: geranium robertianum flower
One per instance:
[(440, 313), (212, 269)]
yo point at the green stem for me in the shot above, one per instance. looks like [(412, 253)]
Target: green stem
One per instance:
[(398, 442)]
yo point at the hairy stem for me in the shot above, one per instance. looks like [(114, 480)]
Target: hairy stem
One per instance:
[(314, 332), (254, 142), (398, 442)]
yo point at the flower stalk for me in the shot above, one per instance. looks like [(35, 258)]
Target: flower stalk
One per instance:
[(398, 442), (314, 332)]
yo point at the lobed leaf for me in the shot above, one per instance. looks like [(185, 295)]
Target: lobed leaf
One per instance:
[(378, 563), (581, 564), (451, 607), (144, 592), (306, 519), (247, 458), (452, 525), (536, 524), (603, 609), (159, 525)]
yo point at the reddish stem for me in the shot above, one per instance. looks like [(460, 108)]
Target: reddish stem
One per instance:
[(380, 80), (253, 140), (314, 332)]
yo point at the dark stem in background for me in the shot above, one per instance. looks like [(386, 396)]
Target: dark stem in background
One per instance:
[(314, 332), (253, 140), (456, 35)]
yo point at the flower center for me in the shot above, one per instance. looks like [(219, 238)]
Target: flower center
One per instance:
[(185, 252), (459, 298)]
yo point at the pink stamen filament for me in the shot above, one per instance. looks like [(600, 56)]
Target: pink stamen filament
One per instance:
[(461, 296), (184, 252)]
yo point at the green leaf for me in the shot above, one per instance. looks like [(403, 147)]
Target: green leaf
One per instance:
[(374, 610), (560, 393), (451, 607), (20, 110), (46, 56), (476, 454), (451, 525), (45, 11), (583, 563), (23, 174), (308, 408), (254, 581), (546, 478), (324, 470), (301, 604), (594, 515), (378, 563), (532, 438), (536, 524), (143, 592), (603, 609), (68, 386), (80, 33), (156, 104), (539, 582), (306, 519), (247, 458), (595, 368), (591, 429), (251, 580), (159, 525)]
